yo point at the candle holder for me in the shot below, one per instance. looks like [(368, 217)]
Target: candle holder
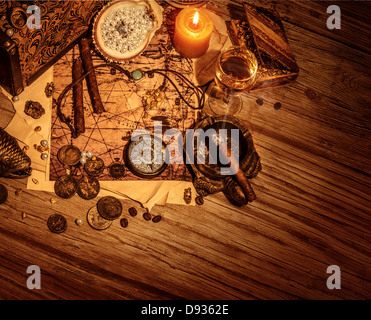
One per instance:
[(235, 73), (193, 28)]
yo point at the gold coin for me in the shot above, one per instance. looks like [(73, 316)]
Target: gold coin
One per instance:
[(65, 187), (109, 208), (88, 187), (96, 221), (69, 155), (94, 167), (57, 223)]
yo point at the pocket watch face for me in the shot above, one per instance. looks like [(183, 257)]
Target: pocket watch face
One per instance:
[(146, 156)]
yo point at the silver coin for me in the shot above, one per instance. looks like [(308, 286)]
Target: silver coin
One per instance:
[(96, 221)]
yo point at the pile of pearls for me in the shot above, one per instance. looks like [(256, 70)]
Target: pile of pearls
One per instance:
[(84, 155), (126, 29)]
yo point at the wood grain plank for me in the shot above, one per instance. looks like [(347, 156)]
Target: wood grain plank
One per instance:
[(312, 208)]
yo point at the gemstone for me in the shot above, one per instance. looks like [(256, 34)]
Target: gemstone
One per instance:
[(137, 74)]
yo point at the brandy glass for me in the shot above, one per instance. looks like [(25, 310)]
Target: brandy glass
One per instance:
[(235, 73)]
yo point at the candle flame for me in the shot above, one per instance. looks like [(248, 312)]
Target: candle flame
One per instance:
[(195, 19)]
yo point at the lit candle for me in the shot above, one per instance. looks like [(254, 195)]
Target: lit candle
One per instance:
[(193, 28)]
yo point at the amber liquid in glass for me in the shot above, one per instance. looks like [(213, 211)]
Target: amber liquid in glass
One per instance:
[(235, 72)]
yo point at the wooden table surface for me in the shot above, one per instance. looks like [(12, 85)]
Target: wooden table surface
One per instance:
[(312, 208)]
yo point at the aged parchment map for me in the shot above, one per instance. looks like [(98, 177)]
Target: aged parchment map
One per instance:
[(107, 134)]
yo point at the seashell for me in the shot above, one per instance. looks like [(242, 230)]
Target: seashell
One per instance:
[(112, 55)]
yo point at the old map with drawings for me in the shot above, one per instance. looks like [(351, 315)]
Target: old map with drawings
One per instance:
[(107, 134)]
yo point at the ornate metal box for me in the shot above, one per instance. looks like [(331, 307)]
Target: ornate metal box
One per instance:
[(27, 53)]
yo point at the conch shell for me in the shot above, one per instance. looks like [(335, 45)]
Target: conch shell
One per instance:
[(14, 163)]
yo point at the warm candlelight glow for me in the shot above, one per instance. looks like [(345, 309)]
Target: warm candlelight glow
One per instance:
[(195, 19), (193, 29)]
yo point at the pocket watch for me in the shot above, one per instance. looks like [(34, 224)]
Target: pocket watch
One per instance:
[(146, 156)]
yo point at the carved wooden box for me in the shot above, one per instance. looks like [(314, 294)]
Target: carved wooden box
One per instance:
[(27, 53)]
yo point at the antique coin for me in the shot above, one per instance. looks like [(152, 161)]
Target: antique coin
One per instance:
[(96, 221), (3, 194), (94, 166), (57, 223), (69, 155), (65, 187), (116, 170), (88, 187), (109, 208)]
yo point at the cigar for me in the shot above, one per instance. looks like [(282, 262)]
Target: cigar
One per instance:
[(91, 79), (239, 175), (78, 98)]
